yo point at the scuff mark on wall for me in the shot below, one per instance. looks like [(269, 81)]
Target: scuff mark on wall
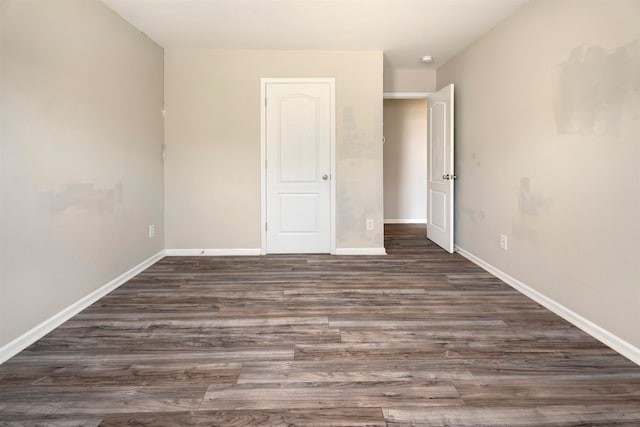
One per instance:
[(530, 203), (85, 197), (524, 231), (474, 215), (596, 87), (359, 166), (531, 206), (474, 159), (354, 144)]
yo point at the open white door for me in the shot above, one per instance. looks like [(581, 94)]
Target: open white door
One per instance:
[(440, 169)]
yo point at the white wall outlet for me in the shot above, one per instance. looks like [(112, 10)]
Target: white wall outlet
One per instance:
[(369, 224), (503, 242), (152, 231)]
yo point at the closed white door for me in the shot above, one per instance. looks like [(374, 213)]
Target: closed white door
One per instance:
[(298, 122), (441, 174)]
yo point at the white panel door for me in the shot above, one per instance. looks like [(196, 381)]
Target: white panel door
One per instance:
[(298, 167), (440, 169)]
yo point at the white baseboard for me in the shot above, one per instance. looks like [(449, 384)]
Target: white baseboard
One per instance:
[(609, 339), (361, 251), (406, 221), (25, 340), (214, 252)]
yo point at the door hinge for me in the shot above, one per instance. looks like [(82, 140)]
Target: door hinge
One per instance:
[(265, 101), (265, 163), (265, 226)]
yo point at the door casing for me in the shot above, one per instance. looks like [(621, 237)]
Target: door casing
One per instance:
[(263, 154)]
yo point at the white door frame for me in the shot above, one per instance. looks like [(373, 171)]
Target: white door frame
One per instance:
[(263, 154), (415, 95), (412, 95)]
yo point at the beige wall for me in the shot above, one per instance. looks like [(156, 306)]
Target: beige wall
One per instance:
[(547, 126), (80, 161), (405, 159), (212, 132), (409, 79)]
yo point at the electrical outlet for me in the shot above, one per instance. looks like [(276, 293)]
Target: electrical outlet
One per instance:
[(152, 231), (503, 242), (369, 224)]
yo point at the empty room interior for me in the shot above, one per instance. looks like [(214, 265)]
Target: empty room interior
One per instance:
[(320, 212)]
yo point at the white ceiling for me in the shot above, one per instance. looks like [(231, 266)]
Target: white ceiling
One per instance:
[(404, 29)]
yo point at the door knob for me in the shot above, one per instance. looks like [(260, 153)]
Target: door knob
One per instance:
[(325, 177), (446, 177)]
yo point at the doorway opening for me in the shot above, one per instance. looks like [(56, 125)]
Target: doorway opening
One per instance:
[(405, 161), (419, 172), (405, 121)]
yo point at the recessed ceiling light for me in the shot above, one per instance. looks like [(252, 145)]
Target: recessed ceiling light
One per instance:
[(427, 59)]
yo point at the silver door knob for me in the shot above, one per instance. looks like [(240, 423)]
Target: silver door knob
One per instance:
[(325, 177), (446, 177)]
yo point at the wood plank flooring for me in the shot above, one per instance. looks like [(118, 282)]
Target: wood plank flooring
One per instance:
[(419, 337)]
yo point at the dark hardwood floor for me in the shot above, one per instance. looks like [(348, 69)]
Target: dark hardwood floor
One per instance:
[(419, 337)]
